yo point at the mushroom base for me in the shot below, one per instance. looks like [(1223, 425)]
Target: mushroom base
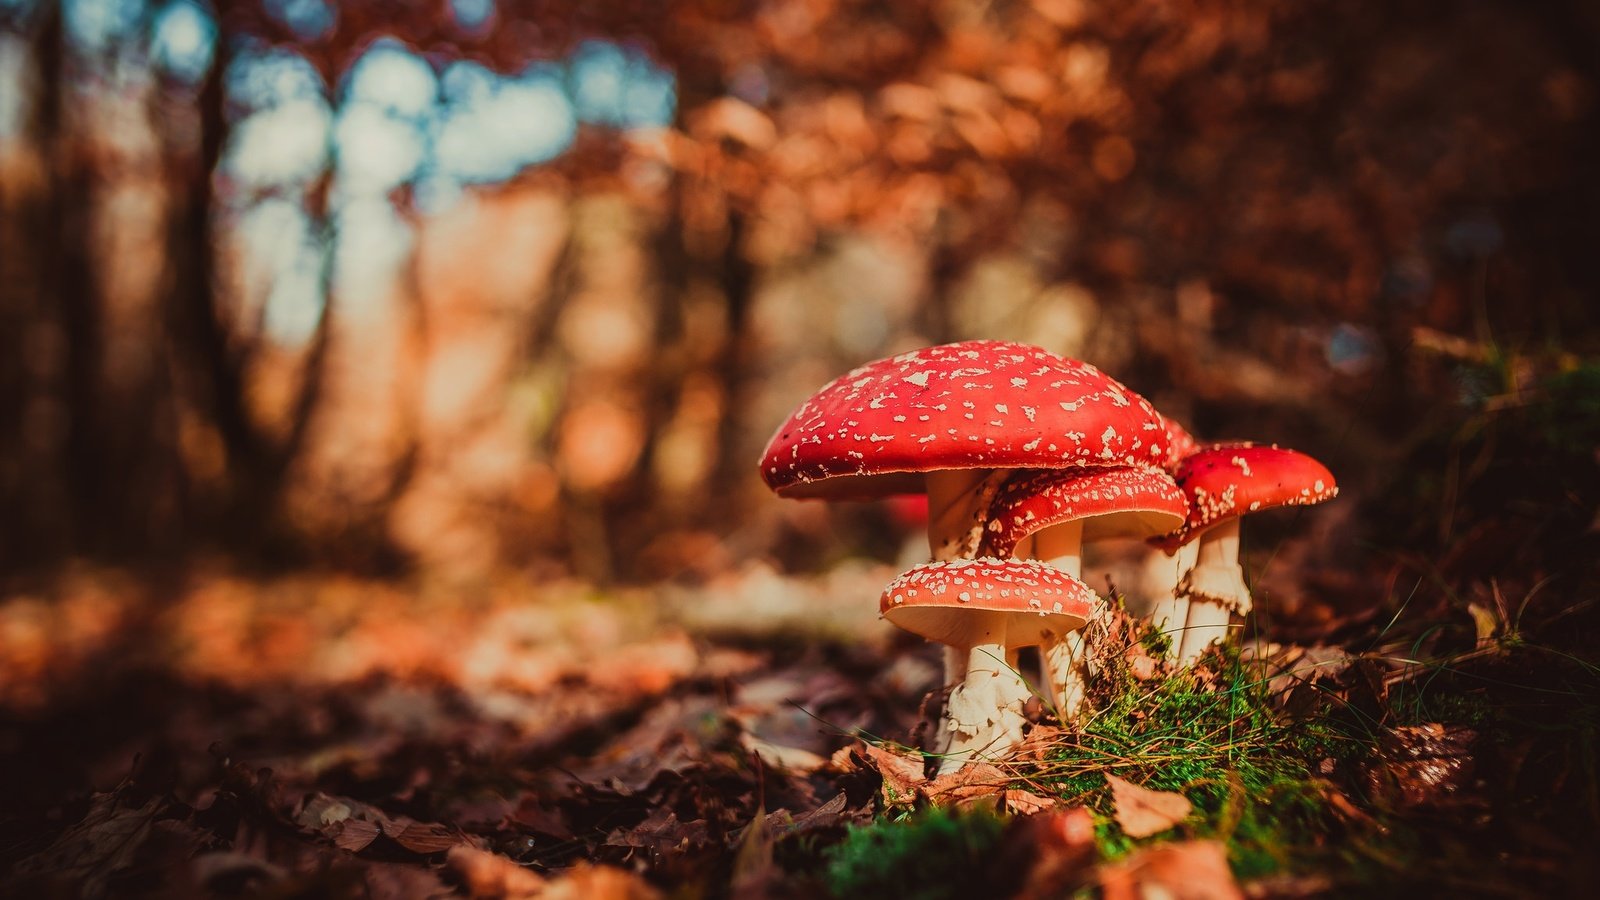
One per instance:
[(1066, 674), (983, 718), (1214, 589), (1170, 614)]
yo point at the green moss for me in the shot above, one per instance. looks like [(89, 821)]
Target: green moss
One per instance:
[(932, 854), (1254, 777)]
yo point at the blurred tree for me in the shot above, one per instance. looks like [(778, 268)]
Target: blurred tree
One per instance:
[(1243, 209)]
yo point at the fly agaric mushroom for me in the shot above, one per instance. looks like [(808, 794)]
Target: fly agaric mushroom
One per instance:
[(950, 421), (1060, 510), (985, 609), (1169, 613), (941, 420), (1223, 483), (1180, 443)]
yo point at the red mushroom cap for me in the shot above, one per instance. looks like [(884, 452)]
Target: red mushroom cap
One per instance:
[(975, 404), (1119, 502), (1226, 481), (1180, 443), (931, 600)]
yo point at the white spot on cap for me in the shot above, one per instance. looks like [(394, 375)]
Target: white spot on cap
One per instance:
[(920, 379)]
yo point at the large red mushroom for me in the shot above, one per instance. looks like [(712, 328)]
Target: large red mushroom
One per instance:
[(940, 419), (951, 421)]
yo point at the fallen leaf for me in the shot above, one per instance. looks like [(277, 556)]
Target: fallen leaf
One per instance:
[(754, 874), (1188, 870), (1423, 765), (353, 835), (401, 881), (229, 869), (825, 816), (1040, 743), (421, 837), (106, 841), (662, 833), (590, 882), (968, 786), (1142, 812), (902, 775), (789, 759), (1056, 846), (486, 874), (1026, 803)]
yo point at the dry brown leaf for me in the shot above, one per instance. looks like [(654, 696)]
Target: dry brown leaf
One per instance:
[(354, 835), (590, 882), (843, 760), (1142, 812), (421, 837), (1026, 803), (788, 759), (1190, 870), (486, 874), (106, 841), (902, 775), (1060, 845), (825, 816), (1040, 743), (972, 784)]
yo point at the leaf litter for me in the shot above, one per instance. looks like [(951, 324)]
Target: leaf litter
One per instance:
[(589, 748)]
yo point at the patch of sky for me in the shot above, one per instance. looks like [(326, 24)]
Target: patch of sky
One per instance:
[(618, 86), (308, 19), (376, 150), (183, 37), (94, 25), (392, 77), (281, 145), (467, 82), (260, 79), (380, 139), (398, 123), (472, 14), (490, 135)]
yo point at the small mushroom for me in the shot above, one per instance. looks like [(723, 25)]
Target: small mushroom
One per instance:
[(984, 609), (1059, 510), (1223, 483)]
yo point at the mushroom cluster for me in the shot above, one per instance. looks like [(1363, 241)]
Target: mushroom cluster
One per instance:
[(1023, 455)]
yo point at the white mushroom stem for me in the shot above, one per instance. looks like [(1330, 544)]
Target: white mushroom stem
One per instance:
[(1061, 661), (958, 507), (1170, 615), (1214, 590), (984, 718)]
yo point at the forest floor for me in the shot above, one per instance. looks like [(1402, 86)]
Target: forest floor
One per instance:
[(324, 736), (1427, 721)]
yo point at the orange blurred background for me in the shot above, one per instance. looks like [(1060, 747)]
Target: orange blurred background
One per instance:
[(473, 287)]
